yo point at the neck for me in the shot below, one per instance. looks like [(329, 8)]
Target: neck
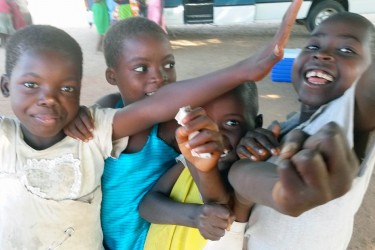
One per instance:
[(306, 112)]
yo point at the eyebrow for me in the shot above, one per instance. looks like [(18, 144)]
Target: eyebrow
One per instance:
[(136, 59), (344, 36)]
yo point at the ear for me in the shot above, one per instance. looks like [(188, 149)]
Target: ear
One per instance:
[(110, 75), (5, 85), (259, 121)]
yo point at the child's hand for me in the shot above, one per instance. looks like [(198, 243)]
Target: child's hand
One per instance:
[(259, 144), (82, 126), (323, 170), (212, 220), (265, 59), (208, 140)]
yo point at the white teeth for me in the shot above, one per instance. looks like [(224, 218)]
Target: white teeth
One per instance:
[(320, 75), (149, 94)]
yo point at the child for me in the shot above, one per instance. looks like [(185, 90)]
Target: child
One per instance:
[(140, 60), (174, 204), (50, 184), (326, 72), (101, 20)]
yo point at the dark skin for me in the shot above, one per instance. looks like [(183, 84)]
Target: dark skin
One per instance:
[(343, 56), (334, 57), (224, 128), (321, 170), (138, 68)]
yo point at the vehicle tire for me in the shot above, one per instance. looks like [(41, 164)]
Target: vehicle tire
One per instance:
[(320, 11)]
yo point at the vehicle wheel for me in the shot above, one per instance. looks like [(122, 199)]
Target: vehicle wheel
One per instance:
[(321, 11)]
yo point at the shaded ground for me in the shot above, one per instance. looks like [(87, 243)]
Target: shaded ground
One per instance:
[(198, 50)]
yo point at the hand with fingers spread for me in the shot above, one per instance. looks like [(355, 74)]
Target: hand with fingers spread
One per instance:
[(82, 126), (259, 144)]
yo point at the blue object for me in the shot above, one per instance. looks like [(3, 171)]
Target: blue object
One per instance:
[(282, 71)]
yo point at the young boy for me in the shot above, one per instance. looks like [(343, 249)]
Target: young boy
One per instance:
[(175, 204)]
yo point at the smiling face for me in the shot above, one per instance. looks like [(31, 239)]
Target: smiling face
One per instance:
[(230, 113), (336, 54), (44, 91), (146, 64)]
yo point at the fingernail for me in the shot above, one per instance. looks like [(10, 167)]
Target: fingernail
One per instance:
[(274, 151), (261, 151), (288, 148), (187, 145), (253, 158)]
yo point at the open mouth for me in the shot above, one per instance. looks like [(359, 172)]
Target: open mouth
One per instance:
[(150, 93), (318, 77)]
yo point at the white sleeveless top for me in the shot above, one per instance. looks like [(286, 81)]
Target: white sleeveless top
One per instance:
[(328, 226)]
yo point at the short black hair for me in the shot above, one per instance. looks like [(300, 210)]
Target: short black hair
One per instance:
[(126, 29), (42, 37), (248, 91)]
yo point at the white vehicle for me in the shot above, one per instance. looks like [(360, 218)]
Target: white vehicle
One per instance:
[(224, 12)]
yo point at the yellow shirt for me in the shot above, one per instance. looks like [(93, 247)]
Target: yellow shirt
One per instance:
[(172, 237)]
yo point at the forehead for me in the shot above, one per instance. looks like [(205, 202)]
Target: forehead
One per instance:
[(229, 103), (341, 28), (46, 62), (146, 42)]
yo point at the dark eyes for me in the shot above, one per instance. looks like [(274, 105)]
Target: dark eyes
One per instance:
[(144, 68), (30, 85), (232, 123), (33, 85), (68, 89), (343, 50)]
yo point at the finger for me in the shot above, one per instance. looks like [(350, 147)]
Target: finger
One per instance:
[(333, 145), (282, 35), (87, 119), (201, 122), (293, 142), (311, 167), (192, 114), (73, 132), (267, 58), (275, 127), (247, 153)]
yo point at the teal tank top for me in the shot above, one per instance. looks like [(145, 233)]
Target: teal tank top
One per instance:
[(124, 183)]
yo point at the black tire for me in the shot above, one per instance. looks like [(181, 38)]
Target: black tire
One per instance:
[(320, 11)]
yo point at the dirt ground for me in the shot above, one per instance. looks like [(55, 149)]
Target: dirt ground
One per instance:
[(198, 50)]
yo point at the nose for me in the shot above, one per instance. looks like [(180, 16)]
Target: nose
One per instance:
[(323, 56), (47, 97), (159, 77)]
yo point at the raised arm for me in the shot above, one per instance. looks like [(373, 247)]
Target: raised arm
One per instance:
[(164, 104)]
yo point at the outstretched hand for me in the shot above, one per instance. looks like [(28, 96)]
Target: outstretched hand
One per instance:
[(266, 58), (315, 170)]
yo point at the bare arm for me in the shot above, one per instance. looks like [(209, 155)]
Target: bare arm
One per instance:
[(157, 207), (159, 107), (321, 171)]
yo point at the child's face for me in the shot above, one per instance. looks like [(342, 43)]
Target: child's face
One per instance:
[(146, 64), (44, 92), (335, 55), (229, 113)]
